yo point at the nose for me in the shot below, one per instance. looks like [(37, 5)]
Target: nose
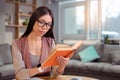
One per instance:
[(45, 25)]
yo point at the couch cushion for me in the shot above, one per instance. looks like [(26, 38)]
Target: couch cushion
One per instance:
[(100, 49), (7, 70), (115, 57), (5, 53), (110, 68), (1, 63), (108, 49), (76, 65), (88, 54)]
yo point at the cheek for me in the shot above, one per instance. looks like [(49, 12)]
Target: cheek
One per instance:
[(35, 28), (48, 29)]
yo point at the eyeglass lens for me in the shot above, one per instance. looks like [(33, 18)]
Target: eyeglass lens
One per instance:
[(42, 23)]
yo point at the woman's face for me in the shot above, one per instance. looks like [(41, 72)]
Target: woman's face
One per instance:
[(42, 25)]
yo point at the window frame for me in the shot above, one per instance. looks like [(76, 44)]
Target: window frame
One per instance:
[(86, 36)]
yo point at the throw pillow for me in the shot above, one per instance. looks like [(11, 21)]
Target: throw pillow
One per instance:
[(88, 54), (115, 57), (5, 53)]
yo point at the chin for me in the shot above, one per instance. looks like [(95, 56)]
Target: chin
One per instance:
[(41, 34)]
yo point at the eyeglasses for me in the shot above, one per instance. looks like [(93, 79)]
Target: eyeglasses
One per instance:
[(42, 23)]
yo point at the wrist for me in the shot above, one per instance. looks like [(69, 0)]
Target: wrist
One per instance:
[(60, 71), (40, 69), (60, 68)]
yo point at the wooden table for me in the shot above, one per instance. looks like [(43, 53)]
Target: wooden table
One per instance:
[(67, 77)]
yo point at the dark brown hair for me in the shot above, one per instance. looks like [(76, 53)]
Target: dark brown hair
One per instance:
[(40, 11)]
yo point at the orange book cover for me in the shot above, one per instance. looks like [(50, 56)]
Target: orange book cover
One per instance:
[(60, 50)]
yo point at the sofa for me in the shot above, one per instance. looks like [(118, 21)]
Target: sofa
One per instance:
[(106, 67), (6, 65)]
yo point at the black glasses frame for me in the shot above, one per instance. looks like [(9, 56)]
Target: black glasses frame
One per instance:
[(43, 23)]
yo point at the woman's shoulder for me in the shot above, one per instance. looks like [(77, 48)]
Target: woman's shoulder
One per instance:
[(48, 38), (19, 39), (50, 41)]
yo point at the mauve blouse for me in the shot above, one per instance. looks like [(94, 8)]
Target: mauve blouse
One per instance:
[(21, 71)]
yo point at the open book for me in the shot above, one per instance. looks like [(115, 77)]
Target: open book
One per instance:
[(60, 50)]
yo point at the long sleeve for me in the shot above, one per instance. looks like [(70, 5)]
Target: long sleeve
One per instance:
[(19, 65)]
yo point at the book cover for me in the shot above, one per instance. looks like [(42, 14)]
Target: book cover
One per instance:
[(60, 50)]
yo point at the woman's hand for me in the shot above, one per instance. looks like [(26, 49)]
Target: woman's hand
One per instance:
[(62, 63)]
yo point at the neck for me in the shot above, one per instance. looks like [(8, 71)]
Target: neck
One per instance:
[(34, 37)]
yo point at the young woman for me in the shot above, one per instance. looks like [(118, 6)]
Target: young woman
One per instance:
[(33, 47)]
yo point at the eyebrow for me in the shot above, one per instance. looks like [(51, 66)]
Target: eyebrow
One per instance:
[(43, 20)]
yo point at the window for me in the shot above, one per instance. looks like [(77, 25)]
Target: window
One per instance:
[(73, 20), (93, 25), (79, 20), (111, 18)]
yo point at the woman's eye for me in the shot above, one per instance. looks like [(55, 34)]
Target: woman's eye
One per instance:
[(49, 24), (41, 22)]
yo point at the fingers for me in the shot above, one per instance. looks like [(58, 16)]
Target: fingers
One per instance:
[(63, 61)]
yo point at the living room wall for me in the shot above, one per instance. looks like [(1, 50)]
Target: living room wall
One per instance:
[(2, 25), (8, 9)]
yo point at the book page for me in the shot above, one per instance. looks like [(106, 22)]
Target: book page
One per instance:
[(77, 45), (62, 46)]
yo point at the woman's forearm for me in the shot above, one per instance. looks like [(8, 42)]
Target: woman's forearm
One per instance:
[(57, 71), (33, 71)]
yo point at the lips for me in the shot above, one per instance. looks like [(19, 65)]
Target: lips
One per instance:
[(42, 32)]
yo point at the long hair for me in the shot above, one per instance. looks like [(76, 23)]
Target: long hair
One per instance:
[(40, 11)]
